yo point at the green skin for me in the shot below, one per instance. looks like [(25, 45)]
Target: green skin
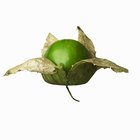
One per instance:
[(66, 52)]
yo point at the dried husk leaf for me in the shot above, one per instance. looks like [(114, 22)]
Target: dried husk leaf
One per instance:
[(82, 38), (99, 62), (40, 65), (49, 40), (81, 72), (104, 63), (57, 78)]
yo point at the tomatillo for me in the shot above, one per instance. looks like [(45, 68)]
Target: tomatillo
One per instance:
[(67, 62), (66, 52)]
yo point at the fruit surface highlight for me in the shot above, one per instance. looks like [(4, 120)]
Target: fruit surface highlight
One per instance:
[(66, 52)]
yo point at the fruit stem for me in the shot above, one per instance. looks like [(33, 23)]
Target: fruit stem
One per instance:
[(71, 94)]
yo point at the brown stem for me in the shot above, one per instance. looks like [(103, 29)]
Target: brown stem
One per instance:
[(71, 94)]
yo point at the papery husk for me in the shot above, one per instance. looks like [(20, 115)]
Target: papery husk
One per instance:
[(83, 38), (57, 78), (104, 63), (49, 41), (80, 72), (39, 65)]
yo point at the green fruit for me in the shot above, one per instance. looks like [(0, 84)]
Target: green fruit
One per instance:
[(66, 52)]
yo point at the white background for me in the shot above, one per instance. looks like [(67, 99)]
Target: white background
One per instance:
[(109, 107)]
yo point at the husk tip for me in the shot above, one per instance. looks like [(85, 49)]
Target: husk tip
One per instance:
[(7, 73), (120, 70), (126, 70), (78, 27)]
